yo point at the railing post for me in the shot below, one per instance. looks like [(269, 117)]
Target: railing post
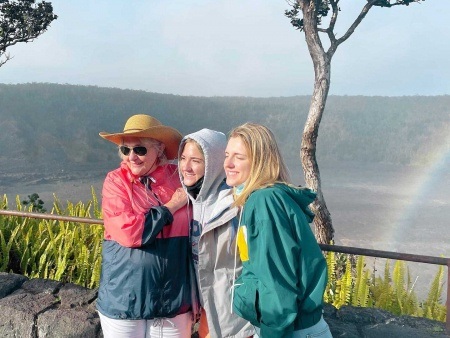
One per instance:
[(447, 320)]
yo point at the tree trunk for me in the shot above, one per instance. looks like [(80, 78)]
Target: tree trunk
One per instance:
[(322, 65)]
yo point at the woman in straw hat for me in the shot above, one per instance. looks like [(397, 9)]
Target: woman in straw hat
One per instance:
[(145, 284)]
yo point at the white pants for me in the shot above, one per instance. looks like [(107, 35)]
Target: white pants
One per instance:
[(176, 327)]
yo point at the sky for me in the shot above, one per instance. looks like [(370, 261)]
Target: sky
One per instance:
[(234, 48)]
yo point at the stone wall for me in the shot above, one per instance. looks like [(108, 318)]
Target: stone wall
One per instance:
[(42, 308), (31, 308)]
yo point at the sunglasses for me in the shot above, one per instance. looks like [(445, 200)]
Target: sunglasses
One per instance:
[(140, 150)]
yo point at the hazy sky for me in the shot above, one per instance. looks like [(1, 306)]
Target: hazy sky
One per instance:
[(234, 48)]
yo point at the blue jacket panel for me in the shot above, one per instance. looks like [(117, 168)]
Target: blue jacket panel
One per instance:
[(145, 282)]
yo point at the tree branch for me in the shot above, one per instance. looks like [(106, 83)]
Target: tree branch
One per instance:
[(356, 23), (334, 6), (7, 58), (4, 45), (22, 21), (399, 3), (330, 31)]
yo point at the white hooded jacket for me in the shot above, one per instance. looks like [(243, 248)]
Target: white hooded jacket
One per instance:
[(213, 234)]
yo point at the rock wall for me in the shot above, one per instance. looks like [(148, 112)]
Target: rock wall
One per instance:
[(32, 308), (42, 308)]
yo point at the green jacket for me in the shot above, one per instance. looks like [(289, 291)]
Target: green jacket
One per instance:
[(284, 271)]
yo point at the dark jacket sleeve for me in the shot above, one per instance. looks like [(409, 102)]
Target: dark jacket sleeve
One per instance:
[(155, 220)]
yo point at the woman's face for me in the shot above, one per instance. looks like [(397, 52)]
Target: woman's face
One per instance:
[(140, 165), (237, 162), (192, 164)]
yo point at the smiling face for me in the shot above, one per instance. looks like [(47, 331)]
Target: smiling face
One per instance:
[(191, 163), (141, 165), (237, 162)]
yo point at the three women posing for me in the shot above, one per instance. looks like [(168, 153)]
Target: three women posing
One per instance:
[(146, 288)]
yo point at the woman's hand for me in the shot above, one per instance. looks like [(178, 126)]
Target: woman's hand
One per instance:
[(178, 200)]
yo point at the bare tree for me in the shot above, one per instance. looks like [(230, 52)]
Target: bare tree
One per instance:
[(22, 21), (306, 16)]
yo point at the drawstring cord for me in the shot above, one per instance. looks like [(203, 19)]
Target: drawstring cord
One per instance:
[(147, 181), (235, 262), (159, 323)]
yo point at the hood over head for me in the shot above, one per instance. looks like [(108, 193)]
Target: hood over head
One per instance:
[(213, 144)]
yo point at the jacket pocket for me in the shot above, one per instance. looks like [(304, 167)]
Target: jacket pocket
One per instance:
[(246, 302)]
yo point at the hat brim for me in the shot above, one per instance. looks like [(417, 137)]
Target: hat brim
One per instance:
[(167, 135)]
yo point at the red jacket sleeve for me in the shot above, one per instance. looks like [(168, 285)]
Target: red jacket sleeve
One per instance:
[(128, 227)]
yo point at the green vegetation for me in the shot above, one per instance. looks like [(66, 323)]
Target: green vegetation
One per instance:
[(71, 252), (35, 203), (351, 283), (53, 249), (62, 123), (22, 21)]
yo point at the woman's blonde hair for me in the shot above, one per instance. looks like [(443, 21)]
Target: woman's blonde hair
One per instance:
[(267, 164)]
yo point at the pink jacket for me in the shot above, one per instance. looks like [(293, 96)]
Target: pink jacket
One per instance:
[(125, 202), (147, 269)]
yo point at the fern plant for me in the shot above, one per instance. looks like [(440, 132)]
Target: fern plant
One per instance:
[(360, 294), (71, 252), (393, 291), (433, 307), (66, 251)]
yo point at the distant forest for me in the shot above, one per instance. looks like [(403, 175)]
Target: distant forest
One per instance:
[(47, 126)]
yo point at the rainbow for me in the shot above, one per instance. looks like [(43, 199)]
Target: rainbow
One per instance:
[(419, 186)]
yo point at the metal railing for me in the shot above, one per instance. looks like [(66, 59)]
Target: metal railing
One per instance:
[(325, 247), (402, 257)]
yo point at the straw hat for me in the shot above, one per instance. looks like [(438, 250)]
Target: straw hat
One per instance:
[(142, 125)]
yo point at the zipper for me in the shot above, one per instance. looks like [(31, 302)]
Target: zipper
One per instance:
[(235, 262)]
